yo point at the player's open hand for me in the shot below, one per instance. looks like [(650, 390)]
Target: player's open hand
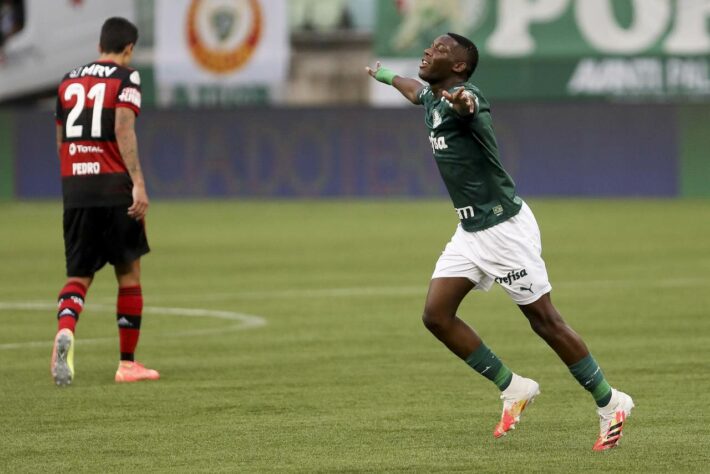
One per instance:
[(139, 208), (373, 72), (461, 100)]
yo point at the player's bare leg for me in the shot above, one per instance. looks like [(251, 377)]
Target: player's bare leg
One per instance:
[(547, 323), (128, 274), (129, 311), (613, 406), (443, 300)]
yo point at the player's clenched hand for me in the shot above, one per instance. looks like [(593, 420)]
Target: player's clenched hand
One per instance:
[(139, 208), (461, 100)]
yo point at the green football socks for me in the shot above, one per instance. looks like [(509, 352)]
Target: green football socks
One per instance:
[(590, 376), (486, 363)]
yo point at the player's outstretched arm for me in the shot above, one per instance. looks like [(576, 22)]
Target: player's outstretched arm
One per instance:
[(407, 86), (128, 146)]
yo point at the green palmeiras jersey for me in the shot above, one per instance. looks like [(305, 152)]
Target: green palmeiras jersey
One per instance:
[(466, 154)]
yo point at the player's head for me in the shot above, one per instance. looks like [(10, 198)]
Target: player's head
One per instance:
[(450, 55), (467, 52), (118, 36)]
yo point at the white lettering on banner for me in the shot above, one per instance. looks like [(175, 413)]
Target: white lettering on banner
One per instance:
[(688, 75), (599, 27), (512, 34), (689, 34), (597, 23), (618, 76)]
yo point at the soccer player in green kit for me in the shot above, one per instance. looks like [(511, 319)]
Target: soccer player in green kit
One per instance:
[(497, 239)]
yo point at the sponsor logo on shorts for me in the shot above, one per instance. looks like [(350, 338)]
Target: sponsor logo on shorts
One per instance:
[(513, 276), (527, 288)]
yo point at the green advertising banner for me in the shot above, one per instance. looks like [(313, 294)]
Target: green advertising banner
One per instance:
[(558, 49)]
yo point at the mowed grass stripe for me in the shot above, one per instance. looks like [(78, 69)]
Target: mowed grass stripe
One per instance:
[(344, 377)]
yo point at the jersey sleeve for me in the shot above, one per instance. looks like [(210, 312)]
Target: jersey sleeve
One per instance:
[(129, 94), (473, 92), (423, 94)]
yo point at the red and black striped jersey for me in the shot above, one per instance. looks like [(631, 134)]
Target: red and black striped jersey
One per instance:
[(93, 172)]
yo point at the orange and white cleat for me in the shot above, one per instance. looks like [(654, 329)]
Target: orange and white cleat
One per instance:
[(520, 393), (62, 365), (611, 420), (134, 372)]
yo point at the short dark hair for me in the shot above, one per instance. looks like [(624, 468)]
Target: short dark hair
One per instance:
[(116, 34), (471, 52)]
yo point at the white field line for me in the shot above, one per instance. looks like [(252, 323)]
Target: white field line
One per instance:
[(243, 321), (411, 290), (246, 321), (364, 291)]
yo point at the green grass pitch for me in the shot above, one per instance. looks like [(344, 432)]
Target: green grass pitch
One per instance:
[(343, 376)]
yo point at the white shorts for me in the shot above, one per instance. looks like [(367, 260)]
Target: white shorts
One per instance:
[(508, 253)]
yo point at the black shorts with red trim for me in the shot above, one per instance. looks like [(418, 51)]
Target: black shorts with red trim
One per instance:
[(94, 236)]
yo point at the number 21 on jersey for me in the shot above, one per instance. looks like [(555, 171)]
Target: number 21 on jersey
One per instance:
[(96, 93)]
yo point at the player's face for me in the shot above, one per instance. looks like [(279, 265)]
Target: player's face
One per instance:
[(438, 60)]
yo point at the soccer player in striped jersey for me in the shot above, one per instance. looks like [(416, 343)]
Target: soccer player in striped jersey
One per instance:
[(497, 239), (105, 200)]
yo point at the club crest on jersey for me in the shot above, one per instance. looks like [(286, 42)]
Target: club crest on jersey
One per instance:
[(435, 119)]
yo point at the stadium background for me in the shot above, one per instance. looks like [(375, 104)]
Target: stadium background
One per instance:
[(305, 121), (296, 214)]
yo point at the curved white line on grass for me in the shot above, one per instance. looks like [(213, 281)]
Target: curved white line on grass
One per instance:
[(245, 321), (420, 290)]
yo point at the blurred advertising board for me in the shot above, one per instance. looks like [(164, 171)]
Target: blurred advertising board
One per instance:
[(44, 39), (559, 49), (216, 53), (651, 150)]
